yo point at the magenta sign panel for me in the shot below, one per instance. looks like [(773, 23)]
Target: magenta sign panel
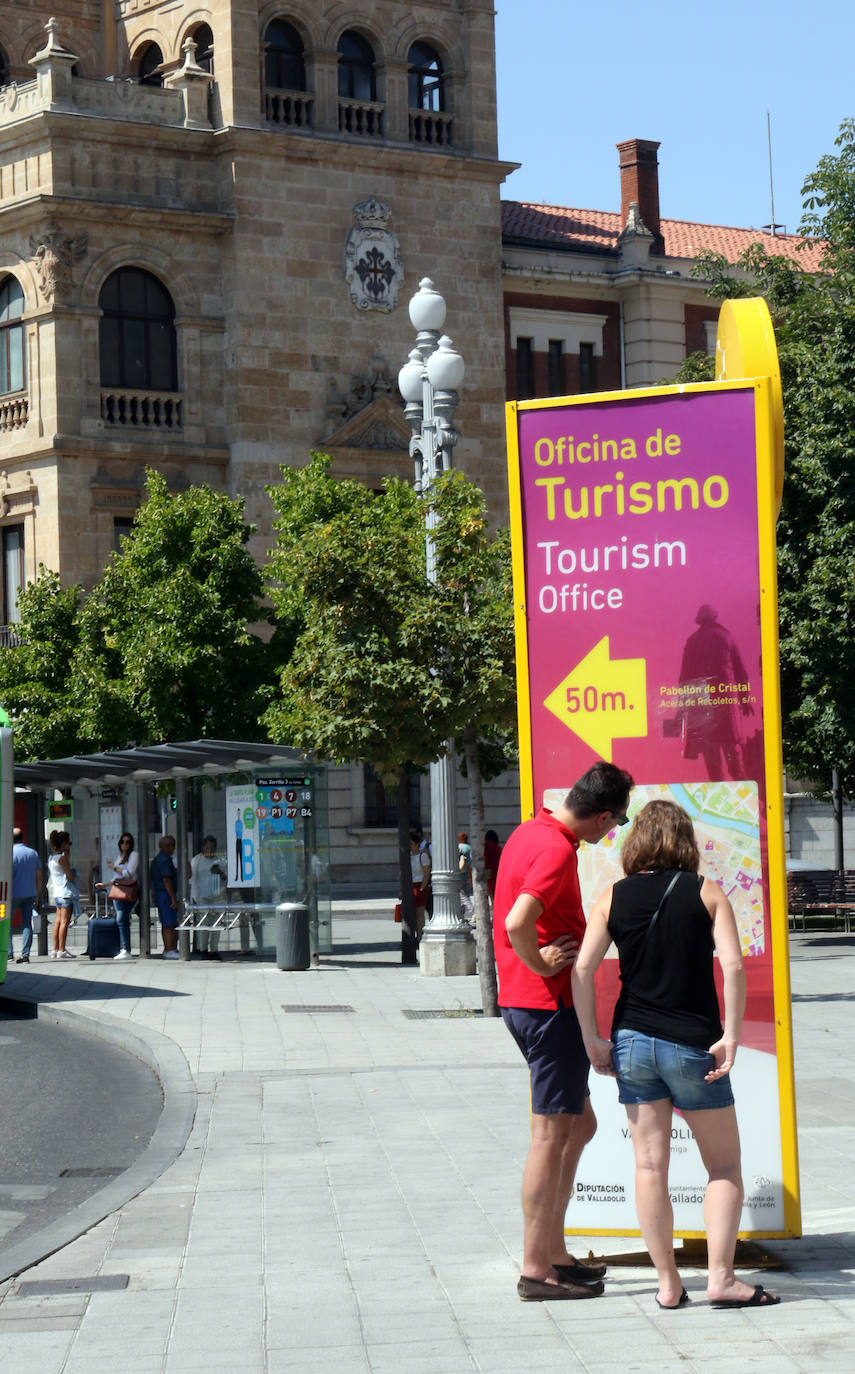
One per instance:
[(637, 548), (642, 587)]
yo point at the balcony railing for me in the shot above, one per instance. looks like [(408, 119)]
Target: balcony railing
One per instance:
[(14, 410), (9, 637), (141, 409), (364, 118), (431, 127), (292, 108)]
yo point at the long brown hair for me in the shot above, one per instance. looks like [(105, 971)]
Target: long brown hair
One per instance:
[(661, 837)]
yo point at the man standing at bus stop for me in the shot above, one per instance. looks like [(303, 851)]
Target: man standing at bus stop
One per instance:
[(538, 926), (26, 885)]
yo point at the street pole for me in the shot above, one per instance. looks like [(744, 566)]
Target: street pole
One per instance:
[(428, 382)]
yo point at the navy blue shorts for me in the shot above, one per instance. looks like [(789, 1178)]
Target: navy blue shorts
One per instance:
[(552, 1046), (166, 911)]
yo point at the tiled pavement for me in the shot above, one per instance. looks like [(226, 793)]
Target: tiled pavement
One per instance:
[(338, 1191)]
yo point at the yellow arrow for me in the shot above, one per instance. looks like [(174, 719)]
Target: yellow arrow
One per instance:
[(602, 699)]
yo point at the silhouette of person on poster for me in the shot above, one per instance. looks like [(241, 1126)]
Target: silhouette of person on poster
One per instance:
[(711, 725)]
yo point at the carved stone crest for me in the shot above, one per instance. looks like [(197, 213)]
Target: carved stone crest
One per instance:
[(372, 258), (55, 256)]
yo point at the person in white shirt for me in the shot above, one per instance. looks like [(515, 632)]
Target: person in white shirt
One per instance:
[(207, 876)]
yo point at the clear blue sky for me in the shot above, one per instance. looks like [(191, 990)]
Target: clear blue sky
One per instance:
[(576, 77)]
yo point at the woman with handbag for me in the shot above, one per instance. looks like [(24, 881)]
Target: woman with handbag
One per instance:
[(124, 889), (668, 1047)]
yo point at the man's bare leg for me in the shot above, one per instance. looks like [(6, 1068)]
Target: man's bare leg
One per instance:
[(541, 1185), (557, 1142), (582, 1129)]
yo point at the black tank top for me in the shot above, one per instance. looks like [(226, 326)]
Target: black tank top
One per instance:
[(667, 986)]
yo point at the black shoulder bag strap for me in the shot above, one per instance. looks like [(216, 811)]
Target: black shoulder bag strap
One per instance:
[(665, 895)]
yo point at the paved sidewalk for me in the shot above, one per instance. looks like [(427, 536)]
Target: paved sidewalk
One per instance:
[(343, 1188)]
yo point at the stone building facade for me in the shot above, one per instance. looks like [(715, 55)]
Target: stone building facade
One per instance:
[(598, 300), (212, 217), (207, 269)]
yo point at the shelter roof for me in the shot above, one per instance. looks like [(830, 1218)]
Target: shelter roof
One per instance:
[(157, 761)]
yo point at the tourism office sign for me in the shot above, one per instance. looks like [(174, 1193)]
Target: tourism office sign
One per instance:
[(643, 528)]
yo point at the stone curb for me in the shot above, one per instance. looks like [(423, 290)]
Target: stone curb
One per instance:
[(170, 1067)]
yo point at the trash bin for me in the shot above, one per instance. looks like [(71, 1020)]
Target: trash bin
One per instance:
[(292, 936)]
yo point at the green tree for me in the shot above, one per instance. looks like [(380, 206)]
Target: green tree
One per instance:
[(41, 686), (160, 649), (388, 666), (814, 319), (172, 611)]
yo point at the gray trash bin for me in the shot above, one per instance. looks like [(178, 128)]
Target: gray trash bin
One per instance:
[(293, 950)]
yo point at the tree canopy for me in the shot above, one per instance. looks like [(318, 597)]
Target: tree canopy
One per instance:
[(814, 319), (161, 647), (387, 666)]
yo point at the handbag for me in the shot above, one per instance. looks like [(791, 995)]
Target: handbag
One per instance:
[(124, 890)]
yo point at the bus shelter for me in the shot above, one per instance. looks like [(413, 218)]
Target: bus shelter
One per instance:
[(264, 805)]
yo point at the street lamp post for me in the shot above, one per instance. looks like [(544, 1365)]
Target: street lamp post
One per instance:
[(428, 382)]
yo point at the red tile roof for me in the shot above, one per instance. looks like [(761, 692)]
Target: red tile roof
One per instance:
[(556, 226)]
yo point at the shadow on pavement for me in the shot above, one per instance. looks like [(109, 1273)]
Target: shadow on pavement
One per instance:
[(21, 987), (824, 996)]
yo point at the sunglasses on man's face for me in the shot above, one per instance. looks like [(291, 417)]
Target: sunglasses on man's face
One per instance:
[(620, 818)]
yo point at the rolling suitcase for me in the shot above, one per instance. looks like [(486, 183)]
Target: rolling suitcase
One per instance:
[(104, 940)]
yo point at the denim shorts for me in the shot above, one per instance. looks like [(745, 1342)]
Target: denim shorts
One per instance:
[(650, 1070), (552, 1046)]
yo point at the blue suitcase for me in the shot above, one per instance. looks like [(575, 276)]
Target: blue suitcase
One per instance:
[(104, 942)]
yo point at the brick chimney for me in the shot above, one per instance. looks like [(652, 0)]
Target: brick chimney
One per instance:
[(639, 181)]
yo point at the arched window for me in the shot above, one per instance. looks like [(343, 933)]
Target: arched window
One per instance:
[(204, 40), (138, 351), (425, 89), (284, 59), (13, 373), (357, 79), (147, 63), (5, 68)]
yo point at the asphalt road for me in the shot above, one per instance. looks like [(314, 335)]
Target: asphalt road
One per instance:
[(69, 1102)]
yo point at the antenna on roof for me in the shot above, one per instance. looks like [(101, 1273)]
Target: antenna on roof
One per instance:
[(773, 227)]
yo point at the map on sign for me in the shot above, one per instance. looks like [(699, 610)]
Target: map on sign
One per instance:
[(726, 817)]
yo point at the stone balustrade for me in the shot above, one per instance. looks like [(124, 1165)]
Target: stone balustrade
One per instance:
[(431, 128), (125, 100), (363, 118), (14, 410), (294, 109), (141, 409)]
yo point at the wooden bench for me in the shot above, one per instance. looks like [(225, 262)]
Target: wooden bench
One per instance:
[(821, 892)]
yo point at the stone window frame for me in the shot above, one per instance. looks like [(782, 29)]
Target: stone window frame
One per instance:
[(17, 324), (572, 327), (441, 106), (389, 117), (147, 319), (189, 325), (282, 18), (20, 411)]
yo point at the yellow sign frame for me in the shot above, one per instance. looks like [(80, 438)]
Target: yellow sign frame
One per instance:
[(746, 357)]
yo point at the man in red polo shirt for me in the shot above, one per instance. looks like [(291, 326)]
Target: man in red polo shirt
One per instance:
[(538, 926)]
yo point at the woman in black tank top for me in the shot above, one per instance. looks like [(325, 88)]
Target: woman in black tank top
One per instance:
[(668, 1046)]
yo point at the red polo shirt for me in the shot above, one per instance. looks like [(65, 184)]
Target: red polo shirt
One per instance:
[(540, 860)]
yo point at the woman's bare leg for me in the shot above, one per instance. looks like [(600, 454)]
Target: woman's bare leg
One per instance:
[(60, 929), (717, 1134), (650, 1127)]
